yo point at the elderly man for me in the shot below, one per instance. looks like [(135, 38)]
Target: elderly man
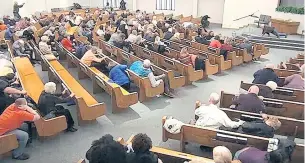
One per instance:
[(211, 116), (90, 58), (249, 102), (264, 75), (45, 48), (12, 119), (21, 50), (246, 45)]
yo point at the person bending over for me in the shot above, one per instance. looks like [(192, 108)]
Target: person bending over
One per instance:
[(295, 81), (266, 91), (222, 154), (12, 119), (266, 74), (48, 104), (45, 48), (190, 59), (67, 43), (90, 59)]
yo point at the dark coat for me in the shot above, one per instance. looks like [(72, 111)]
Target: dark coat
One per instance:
[(168, 35), (47, 102), (249, 103), (202, 40), (265, 91), (142, 157), (264, 75), (258, 129)]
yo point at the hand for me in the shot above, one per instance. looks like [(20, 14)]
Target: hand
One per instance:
[(163, 76), (261, 97), (198, 104), (264, 116), (72, 95), (23, 92), (64, 92)]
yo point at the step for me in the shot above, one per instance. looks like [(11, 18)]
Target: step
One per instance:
[(277, 43), (273, 39), (284, 47)]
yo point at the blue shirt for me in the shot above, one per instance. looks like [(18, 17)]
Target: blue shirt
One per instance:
[(118, 75), (137, 67), (8, 34)]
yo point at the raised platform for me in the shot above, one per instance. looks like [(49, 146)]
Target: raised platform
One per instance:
[(279, 43)]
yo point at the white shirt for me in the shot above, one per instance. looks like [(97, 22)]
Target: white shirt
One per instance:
[(211, 116), (100, 32), (78, 20)]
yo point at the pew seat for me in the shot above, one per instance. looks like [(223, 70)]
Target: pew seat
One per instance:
[(8, 143)]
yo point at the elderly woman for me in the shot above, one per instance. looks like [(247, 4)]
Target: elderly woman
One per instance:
[(45, 48), (191, 59), (90, 59), (143, 69), (266, 91), (133, 36), (176, 37), (295, 81), (49, 108), (21, 50)]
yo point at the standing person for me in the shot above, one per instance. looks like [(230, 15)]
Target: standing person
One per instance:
[(123, 5), (16, 8), (11, 119)]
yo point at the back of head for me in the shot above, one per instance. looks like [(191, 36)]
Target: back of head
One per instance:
[(146, 63), (272, 85), (274, 122), (109, 153), (141, 143), (50, 87), (222, 154), (214, 98), (93, 49), (275, 157), (270, 66), (19, 102), (254, 89), (217, 37), (44, 38)]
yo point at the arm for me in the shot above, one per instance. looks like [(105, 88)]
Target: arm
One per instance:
[(11, 90), (288, 79), (32, 112), (256, 73), (123, 67), (153, 81), (227, 122)]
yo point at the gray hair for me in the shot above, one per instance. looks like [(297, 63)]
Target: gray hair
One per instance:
[(20, 102), (272, 85), (50, 87), (214, 98)]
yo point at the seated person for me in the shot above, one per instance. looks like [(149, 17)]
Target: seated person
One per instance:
[(266, 91), (49, 108), (120, 42), (81, 49), (118, 75), (210, 35), (266, 74), (246, 45), (50, 33), (226, 48), (90, 59), (143, 69), (85, 31), (201, 37), (67, 43), (2, 26), (222, 154), (262, 128), (21, 50), (106, 150), (191, 59), (45, 48), (9, 32), (158, 46), (115, 37), (169, 34), (211, 116), (216, 42), (249, 102), (150, 36), (295, 81), (133, 37), (176, 37), (141, 153), (101, 31), (12, 119), (90, 23)]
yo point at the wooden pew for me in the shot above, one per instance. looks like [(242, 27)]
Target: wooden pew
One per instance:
[(296, 61), (273, 106), (121, 99), (285, 73), (243, 52), (7, 144), (144, 85), (81, 161), (168, 156), (289, 126), (212, 137), (222, 64), (291, 66), (88, 108), (281, 93)]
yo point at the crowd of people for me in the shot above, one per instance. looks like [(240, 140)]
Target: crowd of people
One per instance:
[(16, 107)]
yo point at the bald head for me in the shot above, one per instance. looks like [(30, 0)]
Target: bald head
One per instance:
[(271, 66), (254, 89), (20, 103)]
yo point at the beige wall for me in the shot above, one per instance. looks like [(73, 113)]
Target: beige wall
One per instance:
[(234, 9), (213, 8)]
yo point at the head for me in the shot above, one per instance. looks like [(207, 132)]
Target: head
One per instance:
[(50, 87), (217, 37), (93, 49), (10, 76), (253, 89), (21, 42), (146, 63), (177, 35), (101, 27), (1, 22), (272, 85), (111, 65), (302, 69), (211, 33), (141, 143), (214, 98), (44, 38), (108, 153), (222, 154), (246, 40), (134, 32), (273, 122), (21, 103), (170, 30), (270, 66), (227, 40)]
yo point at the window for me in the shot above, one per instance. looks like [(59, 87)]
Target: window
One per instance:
[(165, 5), (112, 3)]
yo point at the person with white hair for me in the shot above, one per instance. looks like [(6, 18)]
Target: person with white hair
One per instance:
[(91, 59), (169, 34), (266, 91), (211, 116), (222, 154), (296, 81), (143, 69), (176, 37), (133, 36), (249, 102), (48, 104), (20, 50), (44, 47), (266, 74), (246, 45), (49, 32)]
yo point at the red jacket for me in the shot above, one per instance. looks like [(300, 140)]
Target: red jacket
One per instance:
[(215, 44), (67, 44)]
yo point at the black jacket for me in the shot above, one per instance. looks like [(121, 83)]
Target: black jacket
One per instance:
[(47, 102), (202, 40), (168, 35), (258, 129), (249, 103), (264, 75), (147, 157), (265, 91)]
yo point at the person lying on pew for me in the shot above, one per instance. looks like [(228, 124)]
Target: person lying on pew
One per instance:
[(191, 59), (118, 75), (67, 43), (266, 74), (211, 116), (48, 105), (106, 150), (90, 59), (266, 91), (11, 122), (249, 102), (296, 81), (246, 45), (21, 50), (226, 48), (143, 69), (216, 42), (45, 48), (140, 151)]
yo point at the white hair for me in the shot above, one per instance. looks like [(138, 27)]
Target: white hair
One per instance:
[(272, 85), (21, 41), (44, 38), (177, 35), (146, 63), (214, 98), (166, 25), (269, 65), (302, 68), (50, 87), (170, 29), (222, 154)]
